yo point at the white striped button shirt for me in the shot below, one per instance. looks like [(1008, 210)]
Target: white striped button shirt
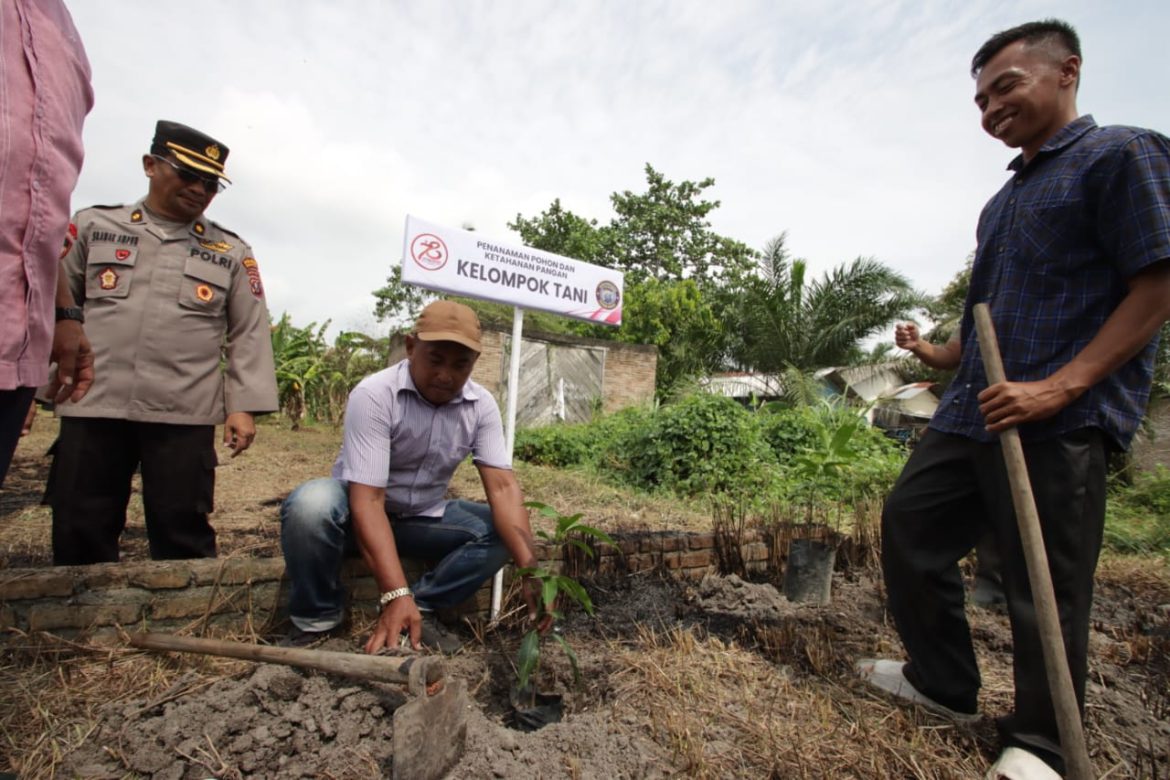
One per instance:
[(396, 439)]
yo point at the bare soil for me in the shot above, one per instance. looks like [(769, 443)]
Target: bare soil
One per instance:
[(714, 679)]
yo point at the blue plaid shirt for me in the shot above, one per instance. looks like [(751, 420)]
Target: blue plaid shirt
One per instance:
[(1055, 248)]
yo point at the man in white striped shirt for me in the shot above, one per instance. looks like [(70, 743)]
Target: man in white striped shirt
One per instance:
[(406, 430)]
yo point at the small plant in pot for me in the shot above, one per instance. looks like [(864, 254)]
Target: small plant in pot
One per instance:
[(531, 709), (808, 573)]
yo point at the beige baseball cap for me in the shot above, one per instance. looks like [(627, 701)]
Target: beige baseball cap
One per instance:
[(449, 321)]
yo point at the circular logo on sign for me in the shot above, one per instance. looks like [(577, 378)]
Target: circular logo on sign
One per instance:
[(608, 295), (429, 251)]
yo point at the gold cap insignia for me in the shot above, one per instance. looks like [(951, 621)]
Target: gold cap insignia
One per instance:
[(212, 151)]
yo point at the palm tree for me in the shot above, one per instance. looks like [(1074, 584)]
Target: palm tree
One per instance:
[(788, 321)]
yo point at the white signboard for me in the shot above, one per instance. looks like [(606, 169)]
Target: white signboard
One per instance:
[(467, 263)]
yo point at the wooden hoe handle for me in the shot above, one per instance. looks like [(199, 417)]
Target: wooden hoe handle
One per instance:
[(1068, 716), (413, 670)]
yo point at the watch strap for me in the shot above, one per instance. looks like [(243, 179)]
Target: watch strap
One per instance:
[(70, 313)]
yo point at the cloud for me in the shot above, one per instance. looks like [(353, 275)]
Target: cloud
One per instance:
[(850, 125)]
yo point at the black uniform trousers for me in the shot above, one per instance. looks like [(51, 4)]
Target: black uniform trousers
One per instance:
[(13, 408), (951, 491), (89, 488)]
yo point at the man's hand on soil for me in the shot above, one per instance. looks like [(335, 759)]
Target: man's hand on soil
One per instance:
[(398, 616)]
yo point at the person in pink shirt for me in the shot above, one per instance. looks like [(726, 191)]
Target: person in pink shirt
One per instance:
[(45, 94)]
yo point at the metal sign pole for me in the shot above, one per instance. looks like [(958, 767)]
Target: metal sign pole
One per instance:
[(509, 431)]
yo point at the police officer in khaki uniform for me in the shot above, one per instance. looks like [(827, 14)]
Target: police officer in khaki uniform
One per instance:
[(174, 307)]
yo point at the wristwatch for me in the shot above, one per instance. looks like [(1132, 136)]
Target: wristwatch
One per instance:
[(390, 595), (70, 313)]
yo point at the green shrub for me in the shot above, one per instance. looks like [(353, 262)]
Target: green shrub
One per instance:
[(1137, 518), (702, 444), (555, 445), (828, 454)]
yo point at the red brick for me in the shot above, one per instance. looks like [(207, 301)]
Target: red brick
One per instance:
[(34, 584), (236, 571), (160, 575), (690, 560), (51, 616), (701, 541), (101, 575)]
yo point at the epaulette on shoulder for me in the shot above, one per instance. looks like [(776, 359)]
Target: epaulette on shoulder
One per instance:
[(222, 229)]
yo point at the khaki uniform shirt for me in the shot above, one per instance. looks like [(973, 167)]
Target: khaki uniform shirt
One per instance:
[(165, 305)]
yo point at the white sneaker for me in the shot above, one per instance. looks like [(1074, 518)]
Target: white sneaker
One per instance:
[(887, 675), (1018, 764)]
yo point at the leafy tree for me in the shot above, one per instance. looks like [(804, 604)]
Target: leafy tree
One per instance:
[(947, 309), (664, 233), (562, 232), (789, 321), (680, 275), (398, 300)]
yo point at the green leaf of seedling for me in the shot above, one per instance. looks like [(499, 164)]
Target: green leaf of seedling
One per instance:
[(572, 658), (528, 657), (576, 592), (580, 545), (545, 535), (544, 509), (597, 533), (548, 593)]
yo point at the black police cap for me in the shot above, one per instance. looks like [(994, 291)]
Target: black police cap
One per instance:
[(192, 148)]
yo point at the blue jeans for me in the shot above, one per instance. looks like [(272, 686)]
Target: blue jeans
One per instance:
[(316, 534)]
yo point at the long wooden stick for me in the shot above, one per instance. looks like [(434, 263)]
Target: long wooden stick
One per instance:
[(364, 667), (1068, 715)]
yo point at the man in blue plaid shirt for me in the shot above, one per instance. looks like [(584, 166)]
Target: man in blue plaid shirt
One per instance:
[(1073, 259)]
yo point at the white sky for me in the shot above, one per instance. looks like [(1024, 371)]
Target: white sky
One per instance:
[(849, 124)]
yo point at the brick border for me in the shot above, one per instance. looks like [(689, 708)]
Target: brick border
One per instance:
[(234, 595)]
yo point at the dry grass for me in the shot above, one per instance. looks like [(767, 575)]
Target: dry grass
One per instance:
[(726, 712)]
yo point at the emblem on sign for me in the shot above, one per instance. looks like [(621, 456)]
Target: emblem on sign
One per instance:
[(121, 254), (428, 251), (608, 295), (204, 293), (108, 279)]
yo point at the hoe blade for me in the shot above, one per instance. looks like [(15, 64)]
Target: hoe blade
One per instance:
[(430, 733)]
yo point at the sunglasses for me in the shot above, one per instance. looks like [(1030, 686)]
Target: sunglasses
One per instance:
[(211, 184)]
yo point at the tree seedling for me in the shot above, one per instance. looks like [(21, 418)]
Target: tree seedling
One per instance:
[(569, 530)]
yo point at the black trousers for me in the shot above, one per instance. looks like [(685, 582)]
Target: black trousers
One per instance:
[(13, 408), (89, 487), (951, 491)]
